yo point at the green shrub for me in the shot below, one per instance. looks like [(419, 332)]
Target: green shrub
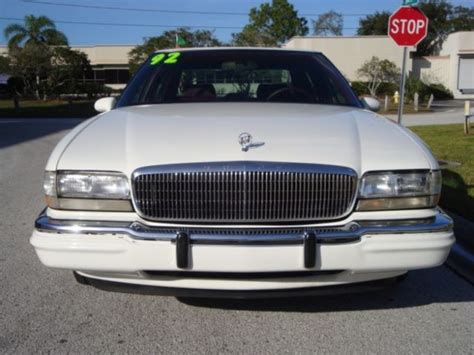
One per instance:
[(359, 88), (388, 89), (440, 92), (414, 85), (385, 88)]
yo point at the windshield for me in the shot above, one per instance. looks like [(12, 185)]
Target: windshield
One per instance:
[(238, 76)]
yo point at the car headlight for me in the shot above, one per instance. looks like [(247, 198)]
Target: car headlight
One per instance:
[(399, 190), (82, 190)]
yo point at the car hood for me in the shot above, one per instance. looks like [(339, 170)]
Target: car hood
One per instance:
[(128, 138)]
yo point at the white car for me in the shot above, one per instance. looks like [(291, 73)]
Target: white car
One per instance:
[(240, 172)]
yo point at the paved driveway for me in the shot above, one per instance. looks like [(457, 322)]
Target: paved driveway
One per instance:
[(44, 310)]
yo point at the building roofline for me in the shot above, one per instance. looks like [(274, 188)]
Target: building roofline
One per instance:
[(460, 32)]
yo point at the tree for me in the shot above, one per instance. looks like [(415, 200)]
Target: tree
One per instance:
[(48, 71), (443, 20), (374, 25), (271, 25), (29, 50), (36, 30), (329, 23), (31, 65), (198, 38), (375, 72), (40, 61), (463, 18), (68, 68), (4, 64), (443, 17)]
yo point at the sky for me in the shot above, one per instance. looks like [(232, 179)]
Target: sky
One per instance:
[(225, 24)]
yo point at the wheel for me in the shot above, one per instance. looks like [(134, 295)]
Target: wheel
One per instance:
[(81, 279)]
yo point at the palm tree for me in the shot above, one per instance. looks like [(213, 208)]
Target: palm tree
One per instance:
[(33, 35), (36, 30)]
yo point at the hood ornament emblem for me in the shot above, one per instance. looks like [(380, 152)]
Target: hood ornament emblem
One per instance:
[(246, 142)]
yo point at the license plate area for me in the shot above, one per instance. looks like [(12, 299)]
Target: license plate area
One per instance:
[(183, 249)]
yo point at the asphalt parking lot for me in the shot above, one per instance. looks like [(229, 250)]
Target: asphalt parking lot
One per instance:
[(45, 310)]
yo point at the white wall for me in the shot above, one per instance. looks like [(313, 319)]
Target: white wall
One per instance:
[(350, 53), (457, 45), (432, 69), (106, 54)]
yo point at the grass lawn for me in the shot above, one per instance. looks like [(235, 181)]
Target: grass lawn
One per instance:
[(49, 108), (449, 142)]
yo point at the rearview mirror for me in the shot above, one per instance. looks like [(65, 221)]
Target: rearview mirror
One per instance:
[(371, 103), (105, 104)]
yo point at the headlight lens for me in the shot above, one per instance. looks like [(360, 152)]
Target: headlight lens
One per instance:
[(77, 190), (403, 190), (49, 183), (92, 185), (400, 184)]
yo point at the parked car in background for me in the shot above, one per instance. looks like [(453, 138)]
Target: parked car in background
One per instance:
[(240, 172)]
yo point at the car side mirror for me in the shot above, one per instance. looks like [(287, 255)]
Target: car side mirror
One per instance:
[(105, 104), (371, 103)]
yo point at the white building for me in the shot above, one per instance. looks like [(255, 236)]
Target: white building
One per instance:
[(454, 67), (109, 63)]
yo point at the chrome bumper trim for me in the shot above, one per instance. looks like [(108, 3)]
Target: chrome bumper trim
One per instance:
[(350, 232)]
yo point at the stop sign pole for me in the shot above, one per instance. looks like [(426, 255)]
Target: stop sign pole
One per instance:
[(402, 86), (407, 26)]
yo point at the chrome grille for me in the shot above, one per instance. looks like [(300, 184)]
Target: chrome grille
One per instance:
[(237, 192)]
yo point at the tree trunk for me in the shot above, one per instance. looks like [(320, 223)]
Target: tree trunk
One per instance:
[(37, 94), (16, 102)]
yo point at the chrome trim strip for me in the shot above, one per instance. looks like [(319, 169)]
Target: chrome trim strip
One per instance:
[(247, 165), (249, 236)]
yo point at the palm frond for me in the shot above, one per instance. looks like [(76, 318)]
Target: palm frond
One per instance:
[(34, 25), (54, 37), (44, 22), (13, 29), (16, 40), (36, 30)]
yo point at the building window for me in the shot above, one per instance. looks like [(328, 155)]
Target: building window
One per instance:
[(112, 76)]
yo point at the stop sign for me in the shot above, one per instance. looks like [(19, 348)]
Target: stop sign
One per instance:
[(408, 26)]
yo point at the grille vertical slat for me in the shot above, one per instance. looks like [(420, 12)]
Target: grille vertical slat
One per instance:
[(243, 196)]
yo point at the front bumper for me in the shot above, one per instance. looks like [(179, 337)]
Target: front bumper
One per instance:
[(139, 254)]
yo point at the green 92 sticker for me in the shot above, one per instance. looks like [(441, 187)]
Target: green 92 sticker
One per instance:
[(165, 58)]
